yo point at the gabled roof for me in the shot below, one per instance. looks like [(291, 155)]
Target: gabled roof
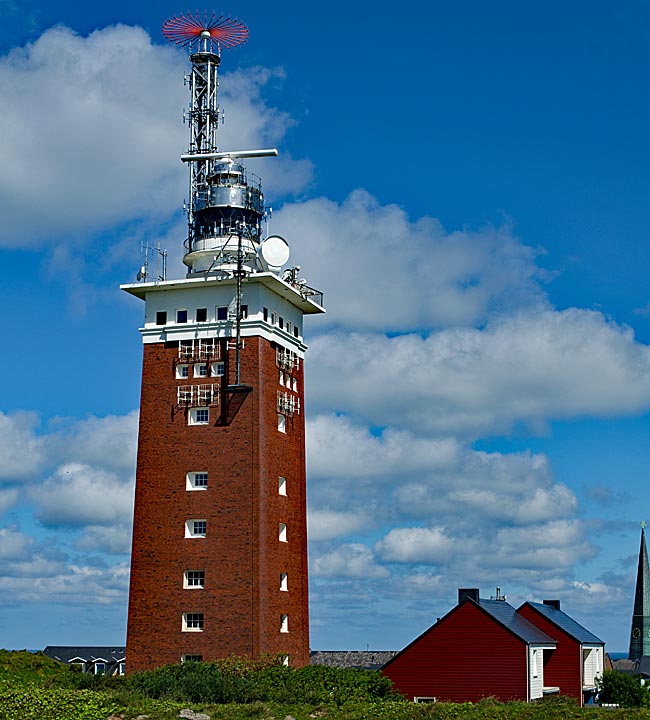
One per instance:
[(359, 659), (507, 616), (566, 623), (85, 653)]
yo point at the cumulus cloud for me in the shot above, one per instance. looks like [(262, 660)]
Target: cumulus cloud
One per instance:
[(329, 524), (347, 561), (530, 367), (380, 270), (20, 448), (78, 494), (415, 545), (108, 151)]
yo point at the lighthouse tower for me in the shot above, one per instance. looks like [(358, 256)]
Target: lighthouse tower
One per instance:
[(219, 558)]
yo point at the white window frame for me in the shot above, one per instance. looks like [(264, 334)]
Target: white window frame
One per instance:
[(182, 371), (282, 532), (190, 528), (200, 370), (190, 480), (196, 413), (284, 582), (99, 668), (187, 585), (218, 369), (282, 423), (189, 620), (191, 657), (282, 486), (284, 623)]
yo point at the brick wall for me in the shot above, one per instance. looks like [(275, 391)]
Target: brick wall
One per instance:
[(241, 554)]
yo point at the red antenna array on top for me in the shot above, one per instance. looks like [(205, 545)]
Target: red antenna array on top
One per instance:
[(187, 29)]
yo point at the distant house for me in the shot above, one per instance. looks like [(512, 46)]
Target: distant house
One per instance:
[(484, 648), (356, 659), (90, 659), (579, 657)]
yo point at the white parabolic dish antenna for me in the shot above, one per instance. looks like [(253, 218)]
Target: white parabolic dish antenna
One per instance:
[(274, 251)]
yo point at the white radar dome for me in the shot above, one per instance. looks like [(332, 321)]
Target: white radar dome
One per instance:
[(274, 252)]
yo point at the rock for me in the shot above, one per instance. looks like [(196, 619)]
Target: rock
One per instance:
[(191, 715)]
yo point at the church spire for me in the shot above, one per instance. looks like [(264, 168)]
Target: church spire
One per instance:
[(640, 634)]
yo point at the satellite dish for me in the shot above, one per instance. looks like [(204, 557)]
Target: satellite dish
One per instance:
[(274, 252)]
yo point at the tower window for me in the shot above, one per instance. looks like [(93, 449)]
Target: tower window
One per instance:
[(282, 486), (218, 369), (161, 317), (282, 423), (197, 481), (181, 316), (282, 532), (288, 326), (281, 322), (295, 331), (200, 370), (192, 622), (272, 318), (222, 312), (265, 312), (284, 582), (196, 528), (191, 658), (199, 416), (284, 623), (201, 314), (182, 371), (244, 311), (194, 579)]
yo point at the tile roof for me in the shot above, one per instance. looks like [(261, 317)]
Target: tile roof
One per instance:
[(360, 659), (505, 614), (88, 653), (566, 623)]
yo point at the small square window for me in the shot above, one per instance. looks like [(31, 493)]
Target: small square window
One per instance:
[(282, 423), (284, 582), (200, 370), (199, 416), (282, 486), (282, 532), (196, 528), (182, 371), (265, 312), (222, 313), (218, 369), (192, 622), (191, 658), (181, 316), (284, 623), (161, 317), (201, 314), (194, 579), (100, 668), (197, 481)]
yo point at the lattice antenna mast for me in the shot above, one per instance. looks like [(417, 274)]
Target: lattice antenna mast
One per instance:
[(226, 205), (204, 36)]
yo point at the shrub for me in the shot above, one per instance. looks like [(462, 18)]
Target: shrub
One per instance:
[(625, 690)]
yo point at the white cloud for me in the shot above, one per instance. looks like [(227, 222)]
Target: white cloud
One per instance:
[(380, 270), (329, 524), (80, 495), (20, 449), (415, 545), (337, 446), (92, 133), (114, 539), (528, 367), (14, 545), (347, 561)]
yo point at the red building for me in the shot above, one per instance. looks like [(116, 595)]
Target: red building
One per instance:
[(219, 557), (486, 648), (579, 657)]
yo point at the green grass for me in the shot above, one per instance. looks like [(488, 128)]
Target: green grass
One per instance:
[(33, 687)]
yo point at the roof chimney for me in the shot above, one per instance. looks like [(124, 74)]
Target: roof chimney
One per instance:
[(467, 593), (553, 603)]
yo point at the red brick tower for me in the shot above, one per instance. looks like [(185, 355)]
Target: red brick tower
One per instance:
[(219, 559)]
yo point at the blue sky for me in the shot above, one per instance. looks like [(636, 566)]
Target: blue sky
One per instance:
[(468, 185)]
